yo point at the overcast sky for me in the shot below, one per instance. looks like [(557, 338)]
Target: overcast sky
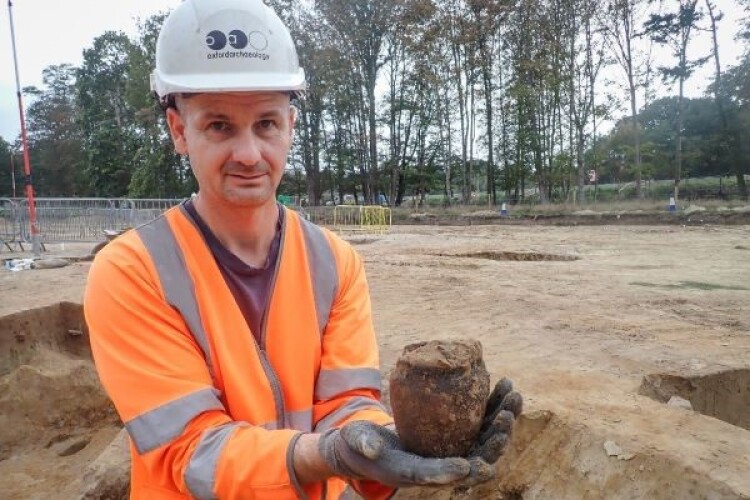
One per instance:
[(57, 31), (54, 32)]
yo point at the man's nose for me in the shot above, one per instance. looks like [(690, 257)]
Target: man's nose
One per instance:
[(246, 149)]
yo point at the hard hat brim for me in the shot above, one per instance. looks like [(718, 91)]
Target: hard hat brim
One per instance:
[(163, 85)]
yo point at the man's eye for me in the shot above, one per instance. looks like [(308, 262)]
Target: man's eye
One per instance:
[(266, 124), (219, 126)]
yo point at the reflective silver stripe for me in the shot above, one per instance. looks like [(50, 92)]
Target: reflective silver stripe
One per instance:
[(331, 383), (325, 278), (165, 252), (162, 425), (270, 426), (298, 420), (351, 407), (200, 474)]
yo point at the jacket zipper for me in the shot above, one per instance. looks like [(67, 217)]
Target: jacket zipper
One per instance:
[(278, 393)]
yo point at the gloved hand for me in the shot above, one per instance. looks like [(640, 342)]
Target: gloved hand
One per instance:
[(364, 450), (503, 407)]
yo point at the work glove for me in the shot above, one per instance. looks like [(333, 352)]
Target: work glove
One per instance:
[(364, 450), (503, 407)]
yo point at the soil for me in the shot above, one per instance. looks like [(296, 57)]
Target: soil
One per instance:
[(724, 395), (577, 338), (582, 219), (438, 394), (54, 416)]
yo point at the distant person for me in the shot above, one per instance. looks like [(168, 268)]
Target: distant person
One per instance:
[(234, 337)]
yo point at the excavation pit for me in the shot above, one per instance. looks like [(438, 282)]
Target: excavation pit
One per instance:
[(516, 256), (49, 390), (724, 395), (363, 241)]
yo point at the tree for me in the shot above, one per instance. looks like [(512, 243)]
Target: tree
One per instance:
[(621, 26), (583, 74), (736, 82), (8, 169), (55, 139), (488, 16), (319, 58), (730, 140), (364, 26), (157, 171), (675, 29), (702, 131), (108, 123), (413, 96)]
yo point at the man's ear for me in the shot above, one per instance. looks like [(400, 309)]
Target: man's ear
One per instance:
[(292, 122), (177, 130)]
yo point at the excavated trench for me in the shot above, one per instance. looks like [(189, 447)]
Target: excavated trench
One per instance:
[(724, 395), (53, 412), (554, 457), (516, 256), (551, 456), (362, 241), (49, 391)]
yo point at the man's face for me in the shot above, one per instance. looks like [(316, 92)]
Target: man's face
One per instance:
[(237, 143)]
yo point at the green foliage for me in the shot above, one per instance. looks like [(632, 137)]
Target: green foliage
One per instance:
[(737, 83), (106, 119), (97, 131), (6, 184), (673, 29), (455, 80), (55, 139), (704, 144), (157, 171)]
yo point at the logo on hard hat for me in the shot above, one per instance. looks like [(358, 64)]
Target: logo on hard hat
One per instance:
[(237, 39)]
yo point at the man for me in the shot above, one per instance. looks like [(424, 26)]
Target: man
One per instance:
[(234, 337)]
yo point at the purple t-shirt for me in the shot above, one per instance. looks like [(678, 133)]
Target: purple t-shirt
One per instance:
[(250, 286)]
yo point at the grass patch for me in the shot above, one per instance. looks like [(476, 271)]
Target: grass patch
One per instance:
[(691, 285)]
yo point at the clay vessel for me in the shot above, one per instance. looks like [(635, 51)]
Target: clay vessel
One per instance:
[(438, 394)]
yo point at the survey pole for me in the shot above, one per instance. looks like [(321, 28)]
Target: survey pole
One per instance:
[(29, 186)]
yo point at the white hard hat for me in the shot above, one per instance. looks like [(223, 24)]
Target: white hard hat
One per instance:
[(208, 46)]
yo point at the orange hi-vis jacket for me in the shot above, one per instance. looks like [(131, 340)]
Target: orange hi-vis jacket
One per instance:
[(212, 414)]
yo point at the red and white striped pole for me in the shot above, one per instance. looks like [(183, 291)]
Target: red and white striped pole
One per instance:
[(35, 240)]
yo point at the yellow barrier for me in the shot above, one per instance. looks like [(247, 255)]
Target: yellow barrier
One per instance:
[(362, 219)]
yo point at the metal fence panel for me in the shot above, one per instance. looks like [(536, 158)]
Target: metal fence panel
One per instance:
[(67, 220), (10, 232)]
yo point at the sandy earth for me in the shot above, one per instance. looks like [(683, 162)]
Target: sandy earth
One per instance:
[(577, 335)]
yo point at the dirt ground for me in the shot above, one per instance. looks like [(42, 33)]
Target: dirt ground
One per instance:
[(577, 317)]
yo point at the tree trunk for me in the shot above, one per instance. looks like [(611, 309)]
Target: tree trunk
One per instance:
[(472, 134), (313, 175), (487, 73), (731, 139), (448, 169), (636, 134), (307, 148), (678, 152), (375, 187), (466, 190), (580, 161)]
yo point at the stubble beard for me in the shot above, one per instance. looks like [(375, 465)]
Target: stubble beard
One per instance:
[(249, 197)]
